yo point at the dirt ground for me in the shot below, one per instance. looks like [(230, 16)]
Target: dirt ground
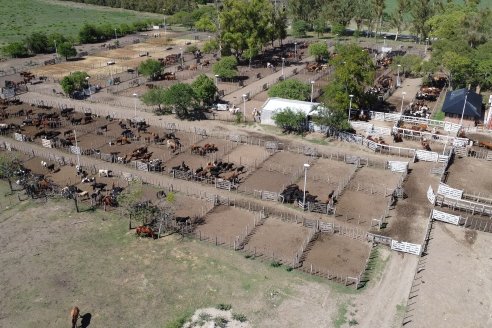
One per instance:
[(287, 160), (338, 254), (324, 176), (471, 175), (408, 220), (262, 179), (453, 286), (225, 223), (277, 238), (247, 155), (368, 207), (378, 178)]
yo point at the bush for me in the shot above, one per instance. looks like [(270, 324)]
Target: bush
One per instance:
[(223, 307), (191, 49), (239, 317), (290, 121), (220, 322), (275, 264), (15, 50)]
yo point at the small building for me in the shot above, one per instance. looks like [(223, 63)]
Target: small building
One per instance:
[(274, 104), (454, 103)]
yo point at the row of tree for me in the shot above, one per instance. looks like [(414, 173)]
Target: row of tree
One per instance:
[(42, 43), (156, 6)]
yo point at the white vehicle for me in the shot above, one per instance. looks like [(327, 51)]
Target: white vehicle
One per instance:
[(221, 107)]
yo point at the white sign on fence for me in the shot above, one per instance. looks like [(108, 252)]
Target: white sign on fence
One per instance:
[(445, 217), (18, 137), (141, 166), (406, 247), (397, 166), (428, 156), (75, 150), (46, 143), (449, 192), (431, 196)]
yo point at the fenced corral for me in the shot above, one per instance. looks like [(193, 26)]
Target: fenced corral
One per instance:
[(449, 192), (452, 141), (446, 126), (370, 129), (464, 205)]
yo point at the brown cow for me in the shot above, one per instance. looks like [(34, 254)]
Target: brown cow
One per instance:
[(145, 231), (74, 314)]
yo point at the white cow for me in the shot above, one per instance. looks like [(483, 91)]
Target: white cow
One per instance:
[(105, 173)]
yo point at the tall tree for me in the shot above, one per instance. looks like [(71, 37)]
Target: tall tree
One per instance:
[(181, 98), (339, 13), (306, 10), (378, 6), (150, 68), (397, 17), (204, 88), (37, 43), (66, 49), (421, 11), (244, 25), (354, 72), (9, 164)]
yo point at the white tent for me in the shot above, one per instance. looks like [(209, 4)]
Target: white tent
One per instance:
[(273, 105)]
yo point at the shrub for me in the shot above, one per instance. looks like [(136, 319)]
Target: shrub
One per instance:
[(223, 307), (239, 317)]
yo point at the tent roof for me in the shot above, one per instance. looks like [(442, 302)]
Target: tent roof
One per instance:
[(454, 101), (274, 103)]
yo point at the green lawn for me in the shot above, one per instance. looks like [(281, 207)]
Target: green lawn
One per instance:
[(20, 18), (63, 258)]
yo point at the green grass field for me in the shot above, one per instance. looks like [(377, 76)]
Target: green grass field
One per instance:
[(63, 258), (20, 18)]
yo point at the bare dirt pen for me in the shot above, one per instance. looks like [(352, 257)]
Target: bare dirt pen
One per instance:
[(277, 172), (338, 254), (455, 282), (358, 208), (471, 175), (378, 178), (247, 155), (225, 223), (324, 176), (265, 180), (278, 239)]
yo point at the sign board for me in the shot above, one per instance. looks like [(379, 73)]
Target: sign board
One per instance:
[(46, 143), (75, 150)]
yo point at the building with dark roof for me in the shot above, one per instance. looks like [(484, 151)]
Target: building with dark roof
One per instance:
[(454, 103)]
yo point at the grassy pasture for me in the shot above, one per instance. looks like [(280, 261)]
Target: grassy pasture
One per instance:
[(20, 18), (63, 258)]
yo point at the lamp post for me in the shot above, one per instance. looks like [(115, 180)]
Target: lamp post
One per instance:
[(464, 106), (217, 80), (312, 90), (56, 50), (244, 107), (135, 102), (350, 106), (398, 77), (182, 58), (165, 27), (306, 167), (426, 44), (283, 63), (295, 50), (384, 40), (402, 98), (89, 86), (115, 35)]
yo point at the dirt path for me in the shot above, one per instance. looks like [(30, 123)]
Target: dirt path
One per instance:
[(379, 306)]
